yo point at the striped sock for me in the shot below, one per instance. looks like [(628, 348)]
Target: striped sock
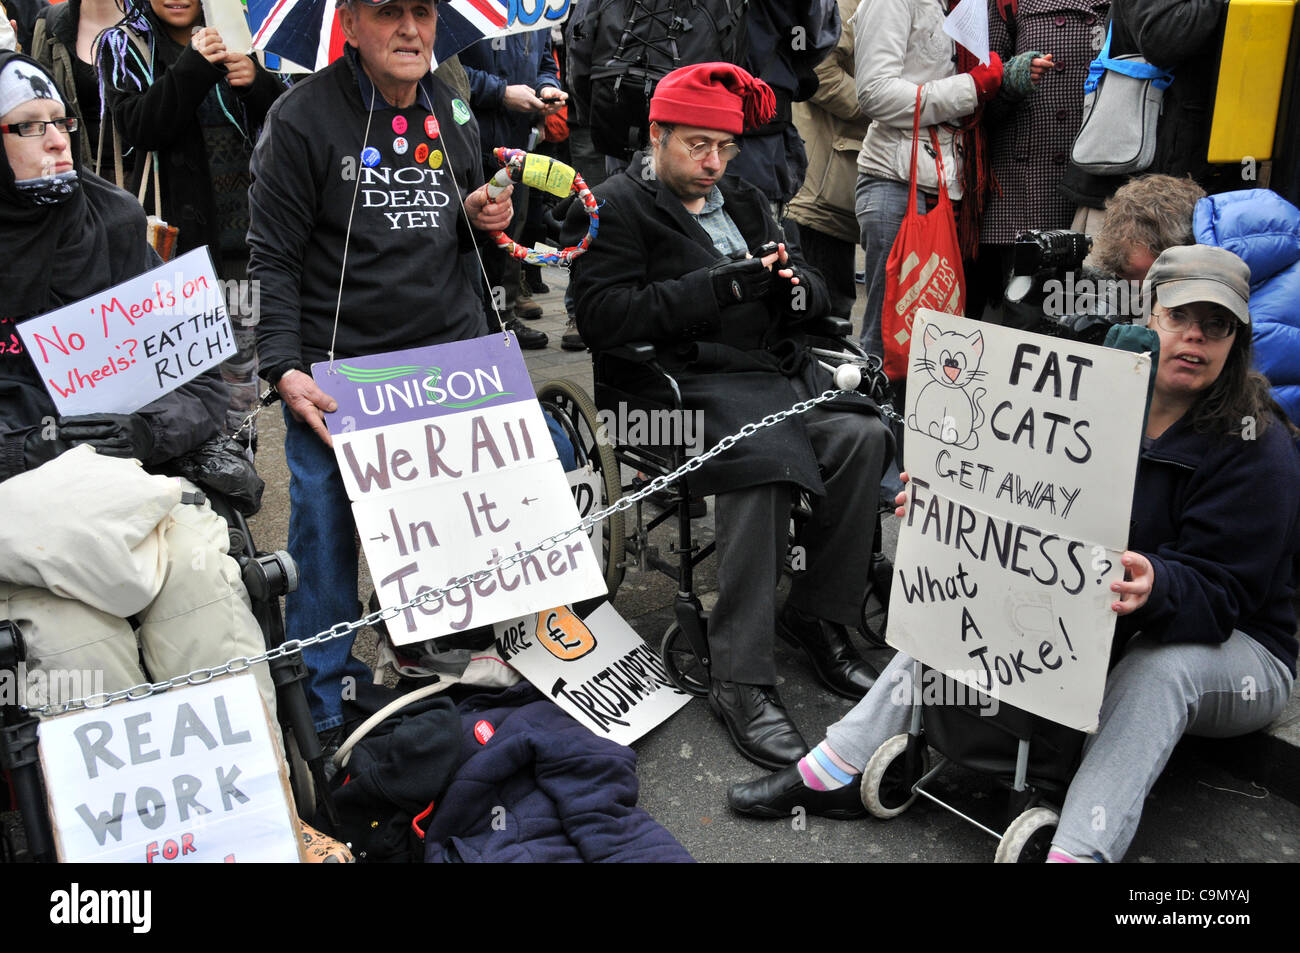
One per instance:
[(1058, 856), (824, 770)]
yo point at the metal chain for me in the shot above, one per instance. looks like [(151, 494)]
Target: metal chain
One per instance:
[(341, 629), (248, 421)]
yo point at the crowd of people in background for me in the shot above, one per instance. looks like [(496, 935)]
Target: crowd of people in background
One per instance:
[(833, 160)]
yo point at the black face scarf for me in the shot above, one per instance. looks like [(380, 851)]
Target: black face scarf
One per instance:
[(65, 238)]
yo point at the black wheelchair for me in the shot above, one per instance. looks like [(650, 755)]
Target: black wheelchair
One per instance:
[(26, 833), (684, 646)]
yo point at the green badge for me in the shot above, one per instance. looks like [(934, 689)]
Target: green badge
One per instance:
[(460, 111)]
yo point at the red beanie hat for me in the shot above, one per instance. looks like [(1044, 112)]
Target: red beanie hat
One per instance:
[(713, 96)]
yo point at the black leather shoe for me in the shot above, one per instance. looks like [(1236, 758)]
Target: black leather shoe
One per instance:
[(776, 795), (837, 664), (529, 339), (758, 723)]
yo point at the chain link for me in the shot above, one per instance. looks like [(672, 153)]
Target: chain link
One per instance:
[(246, 422), (342, 629), (262, 403)]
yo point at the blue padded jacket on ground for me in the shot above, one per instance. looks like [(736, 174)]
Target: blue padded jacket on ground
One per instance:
[(541, 788)]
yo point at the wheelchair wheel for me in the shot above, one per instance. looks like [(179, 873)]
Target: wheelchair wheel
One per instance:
[(570, 406), (1028, 838), (300, 780), (886, 784), (683, 666), (872, 623)]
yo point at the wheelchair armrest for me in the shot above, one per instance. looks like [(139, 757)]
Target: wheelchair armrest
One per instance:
[(828, 326), (634, 352)]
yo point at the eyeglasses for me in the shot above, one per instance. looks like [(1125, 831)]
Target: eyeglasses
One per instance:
[(1215, 328), (726, 151), (36, 127)]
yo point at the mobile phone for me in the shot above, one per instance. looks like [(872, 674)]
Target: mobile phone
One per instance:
[(765, 249)]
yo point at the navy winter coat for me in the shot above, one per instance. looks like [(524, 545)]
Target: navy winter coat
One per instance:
[(492, 65), (542, 788), (1219, 518)]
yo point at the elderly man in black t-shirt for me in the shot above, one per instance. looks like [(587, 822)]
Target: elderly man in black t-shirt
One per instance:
[(359, 242)]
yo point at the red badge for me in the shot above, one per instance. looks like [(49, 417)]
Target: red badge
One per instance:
[(399, 125), (431, 127), (421, 153), (484, 731)]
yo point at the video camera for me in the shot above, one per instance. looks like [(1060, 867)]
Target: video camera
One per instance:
[(1051, 292)]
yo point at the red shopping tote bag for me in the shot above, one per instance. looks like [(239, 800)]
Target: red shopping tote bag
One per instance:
[(924, 265)]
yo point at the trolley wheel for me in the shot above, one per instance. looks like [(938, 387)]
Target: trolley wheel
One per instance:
[(300, 780), (886, 787), (685, 670), (1028, 838), (574, 411)]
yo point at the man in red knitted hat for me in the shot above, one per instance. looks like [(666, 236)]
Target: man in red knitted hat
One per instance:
[(692, 261)]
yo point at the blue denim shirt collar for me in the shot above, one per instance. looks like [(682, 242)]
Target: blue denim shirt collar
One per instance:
[(712, 202)]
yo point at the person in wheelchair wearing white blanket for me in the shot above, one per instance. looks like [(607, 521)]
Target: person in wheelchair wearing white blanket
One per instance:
[(91, 541), (673, 265)]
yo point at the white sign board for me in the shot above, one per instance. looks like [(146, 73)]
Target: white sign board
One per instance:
[(599, 671), (230, 19), (126, 346), (968, 24), (191, 775), (585, 485), (1022, 451), (451, 469)]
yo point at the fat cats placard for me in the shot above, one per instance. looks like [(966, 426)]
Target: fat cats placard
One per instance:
[(1022, 451)]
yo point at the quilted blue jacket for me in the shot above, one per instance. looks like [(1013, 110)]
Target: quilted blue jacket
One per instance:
[(541, 788), (1263, 229)]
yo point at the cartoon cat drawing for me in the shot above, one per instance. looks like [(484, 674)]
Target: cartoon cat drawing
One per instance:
[(945, 409)]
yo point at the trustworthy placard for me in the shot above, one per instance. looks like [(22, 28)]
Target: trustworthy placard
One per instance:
[(450, 466), (130, 344), (598, 670), (191, 775), (1022, 451)]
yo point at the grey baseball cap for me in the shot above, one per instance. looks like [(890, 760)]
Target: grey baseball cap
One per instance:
[(1185, 274)]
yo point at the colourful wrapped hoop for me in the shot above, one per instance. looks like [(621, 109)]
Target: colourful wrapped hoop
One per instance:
[(542, 172)]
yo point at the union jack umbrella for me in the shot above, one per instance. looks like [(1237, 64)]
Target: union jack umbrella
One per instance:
[(307, 33)]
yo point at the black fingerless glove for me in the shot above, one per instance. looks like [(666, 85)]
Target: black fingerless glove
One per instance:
[(796, 273), (736, 281), (114, 435)]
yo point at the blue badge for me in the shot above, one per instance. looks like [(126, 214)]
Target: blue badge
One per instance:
[(370, 157)]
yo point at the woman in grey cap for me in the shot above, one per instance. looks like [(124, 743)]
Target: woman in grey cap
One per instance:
[(1206, 638)]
